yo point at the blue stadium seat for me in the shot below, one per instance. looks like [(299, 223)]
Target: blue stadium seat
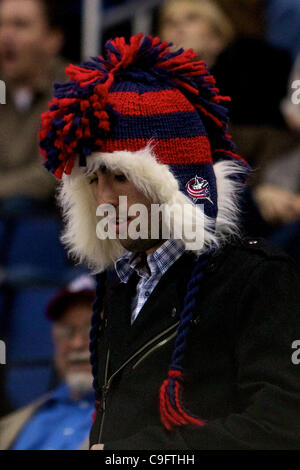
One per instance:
[(26, 384), (29, 348), (35, 242), (29, 336)]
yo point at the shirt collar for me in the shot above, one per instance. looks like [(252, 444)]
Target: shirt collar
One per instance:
[(158, 262)]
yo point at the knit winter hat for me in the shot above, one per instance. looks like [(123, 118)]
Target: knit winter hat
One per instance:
[(155, 115)]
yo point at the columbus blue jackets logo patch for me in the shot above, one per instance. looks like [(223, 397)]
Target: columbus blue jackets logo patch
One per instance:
[(198, 188)]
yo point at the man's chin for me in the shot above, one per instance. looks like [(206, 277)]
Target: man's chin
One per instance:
[(139, 245), (80, 383)]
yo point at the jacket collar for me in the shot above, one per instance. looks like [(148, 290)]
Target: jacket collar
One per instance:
[(161, 310)]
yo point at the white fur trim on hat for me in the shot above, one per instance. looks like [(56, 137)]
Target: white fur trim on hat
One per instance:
[(157, 182)]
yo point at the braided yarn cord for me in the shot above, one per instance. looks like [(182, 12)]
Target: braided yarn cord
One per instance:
[(172, 411), (95, 326)]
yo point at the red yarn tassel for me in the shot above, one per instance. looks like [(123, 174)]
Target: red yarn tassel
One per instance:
[(212, 117), (94, 416), (170, 416)]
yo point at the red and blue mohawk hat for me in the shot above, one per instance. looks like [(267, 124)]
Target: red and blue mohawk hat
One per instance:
[(158, 117)]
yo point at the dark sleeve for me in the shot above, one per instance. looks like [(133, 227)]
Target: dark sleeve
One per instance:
[(268, 383)]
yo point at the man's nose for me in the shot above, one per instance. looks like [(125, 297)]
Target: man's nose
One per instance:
[(79, 341), (105, 193)]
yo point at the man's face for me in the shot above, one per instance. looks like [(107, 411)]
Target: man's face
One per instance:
[(71, 339), (26, 41), (107, 188), (185, 26)]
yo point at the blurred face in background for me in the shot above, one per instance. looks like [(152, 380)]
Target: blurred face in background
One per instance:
[(27, 43), (71, 344), (196, 25), (247, 16)]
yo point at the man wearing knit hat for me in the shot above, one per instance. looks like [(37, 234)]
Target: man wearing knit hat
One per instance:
[(196, 332)]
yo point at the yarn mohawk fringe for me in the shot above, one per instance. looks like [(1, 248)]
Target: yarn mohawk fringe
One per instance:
[(80, 115)]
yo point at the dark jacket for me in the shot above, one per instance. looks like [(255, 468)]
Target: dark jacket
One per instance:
[(242, 69), (238, 368)]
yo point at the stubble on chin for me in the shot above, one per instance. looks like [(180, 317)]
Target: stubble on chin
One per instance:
[(140, 245)]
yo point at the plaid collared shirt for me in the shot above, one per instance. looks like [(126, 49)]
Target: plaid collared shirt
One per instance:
[(150, 273)]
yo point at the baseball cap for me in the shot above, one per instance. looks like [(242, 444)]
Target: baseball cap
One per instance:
[(81, 287)]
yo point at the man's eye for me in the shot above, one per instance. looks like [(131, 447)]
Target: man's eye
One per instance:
[(121, 178), (93, 180)]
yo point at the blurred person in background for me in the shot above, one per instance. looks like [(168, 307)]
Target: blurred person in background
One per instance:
[(30, 42), (257, 85), (61, 420), (278, 194), (229, 35), (199, 25), (283, 25), (256, 82)]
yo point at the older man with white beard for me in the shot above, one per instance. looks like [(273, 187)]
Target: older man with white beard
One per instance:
[(61, 420)]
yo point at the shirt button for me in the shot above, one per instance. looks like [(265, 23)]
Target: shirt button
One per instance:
[(147, 293)]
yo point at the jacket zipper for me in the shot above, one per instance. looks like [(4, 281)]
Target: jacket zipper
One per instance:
[(157, 346), (104, 393), (107, 383)]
